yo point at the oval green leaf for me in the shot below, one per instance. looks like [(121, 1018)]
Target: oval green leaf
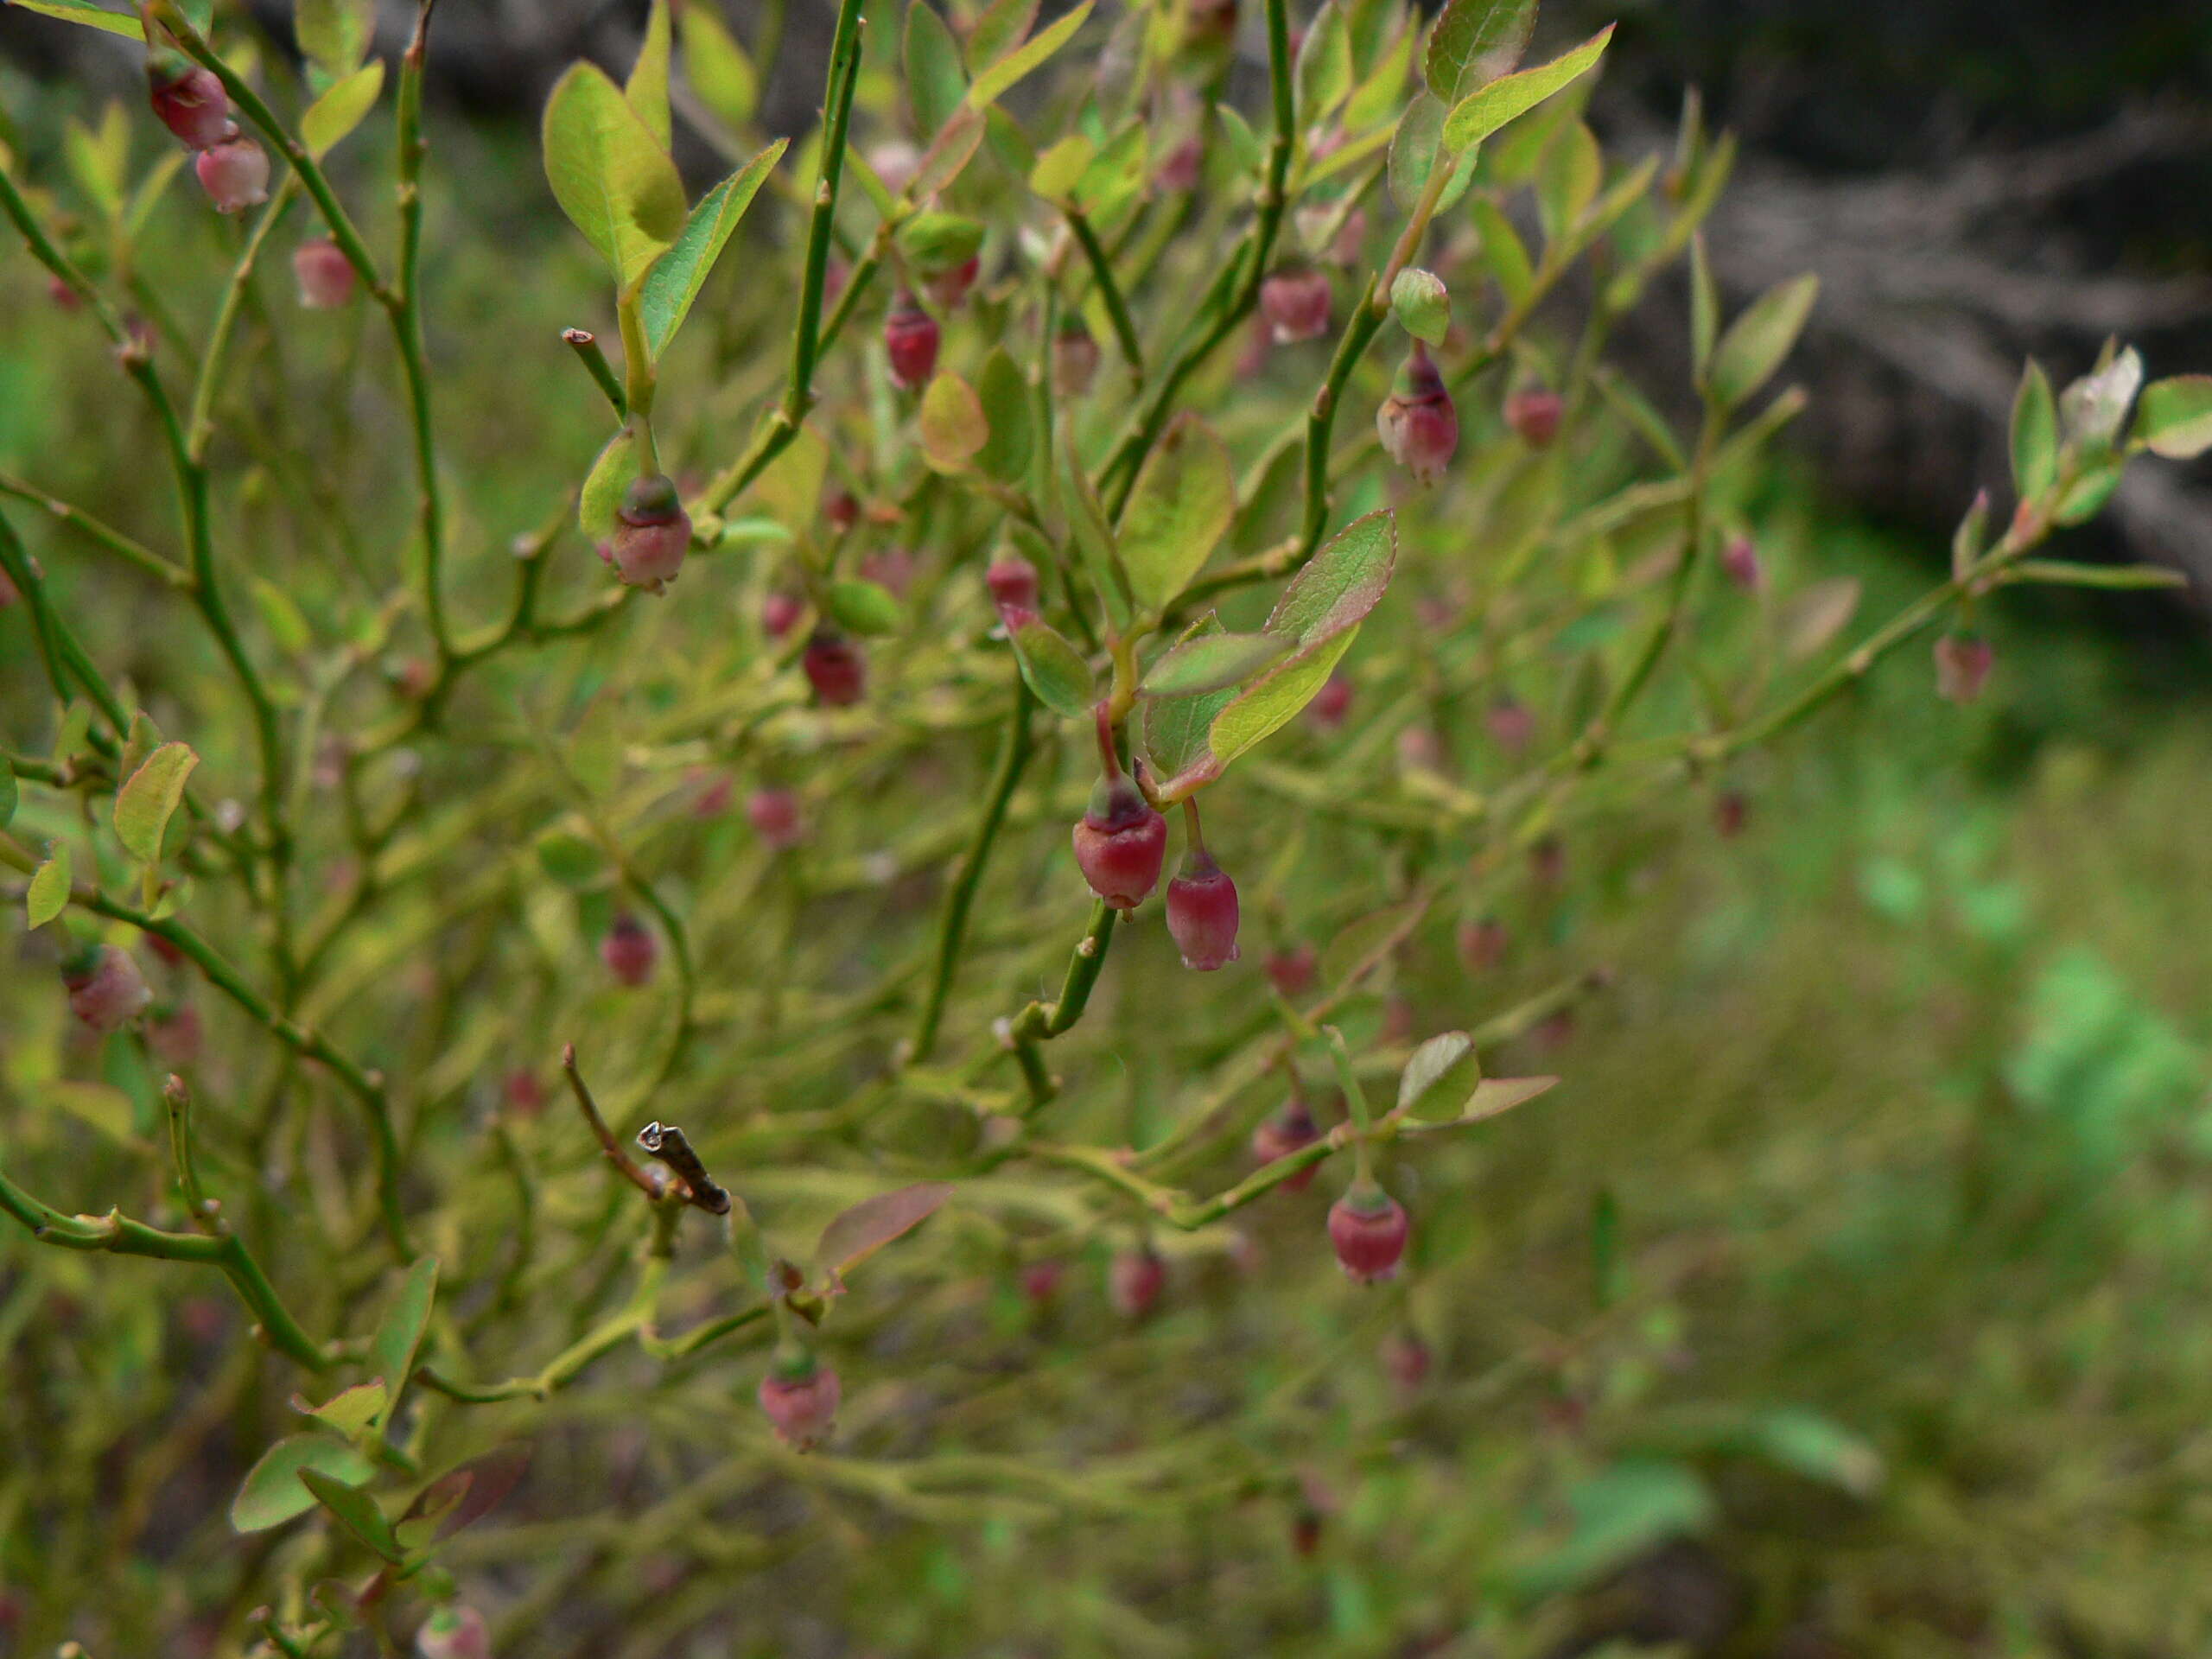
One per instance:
[(271, 1493), (339, 111), (146, 802), (1212, 661), (675, 277), (1055, 669), (866, 607), (1755, 343), (1480, 113), (1185, 497), (612, 178), (49, 890), (954, 429)]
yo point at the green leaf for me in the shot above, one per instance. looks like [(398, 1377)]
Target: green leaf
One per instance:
[(717, 67), (1423, 305), (1503, 254), (996, 81), (935, 242), (1474, 42), (953, 149), (1175, 729), (1494, 1096), (609, 174), (280, 614), (48, 895), (1323, 70), (1341, 584), (1184, 499), (673, 282), (1265, 708), (1061, 168), (854, 1235), (1480, 113), (1755, 343), (2034, 434), (1211, 661), (271, 1493), (575, 861), (1117, 173), (2174, 416), (2086, 497), (1003, 389), (83, 11), (355, 1510), (1442, 1069), (609, 477), (935, 82), (1809, 619), (1618, 1516), (954, 429), (349, 1411), (1003, 25), (1055, 669), (339, 111), (865, 607), (1704, 309), (391, 1351), (334, 35), (97, 158), (1567, 182), (143, 738), (145, 803), (10, 795), (1818, 1447), (647, 87)]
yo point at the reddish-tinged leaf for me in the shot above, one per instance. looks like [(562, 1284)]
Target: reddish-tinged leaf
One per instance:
[(860, 1232)]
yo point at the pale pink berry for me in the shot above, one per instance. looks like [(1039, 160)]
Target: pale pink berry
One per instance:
[(1135, 1281), (454, 1633), (1330, 704), (324, 274), (910, 339), (1288, 1130), (630, 950), (234, 174), (801, 1403), (106, 990), (836, 668), (1533, 413), (1417, 424), (1739, 562), (1292, 969), (1202, 913), (652, 533), (1483, 944), (1962, 664), (1075, 360), (1296, 305), (1369, 1230), (774, 816), (189, 100), (1120, 843), (779, 614)]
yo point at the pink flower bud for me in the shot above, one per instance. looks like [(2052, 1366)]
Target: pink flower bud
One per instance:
[(1962, 663), (522, 1094), (630, 950), (1330, 704), (173, 1034), (106, 990), (64, 297), (835, 668), (651, 535), (1533, 413), (1292, 969), (801, 1402), (1739, 562), (453, 1633), (1405, 1359), (774, 816), (234, 174), (189, 100), (1120, 843), (910, 336), (324, 274), (1202, 913), (1178, 169), (1040, 1281), (1512, 727), (1296, 305), (1075, 360), (1012, 581), (1135, 1281), (843, 510), (779, 614), (1418, 427), (1483, 944), (946, 289), (1367, 1228), (1285, 1133)]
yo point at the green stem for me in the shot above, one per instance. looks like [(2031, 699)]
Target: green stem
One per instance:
[(1320, 419), (586, 345), (1040, 1021), (1109, 291), (154, 564), (200, 426)]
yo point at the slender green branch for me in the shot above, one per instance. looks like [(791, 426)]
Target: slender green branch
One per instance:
[(1040, 1021), (156, 565), (200, 426), (1320, 419), (1109, 291), (586, 345), (404, 307)]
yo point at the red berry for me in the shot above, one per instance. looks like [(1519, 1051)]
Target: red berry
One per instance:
[(189, 100), (1288, 1131), (1075, 360), (1135, 1281), (946, 289), (802, 1402), (835, 668), (774, 816), (234, 174), (630, 950), (324, 274), (1296, 305), (779, 614), (1202, 913), (1120, 843), (1292, 969), (843, 510), (1012, 581), (106, 990), (1483, 944), (453, 1633), (651, 535), (1533, 413), (910, 336), (1332, 703), (1740, 560), (1369, 1229), (1962, 663), (1417, 424)]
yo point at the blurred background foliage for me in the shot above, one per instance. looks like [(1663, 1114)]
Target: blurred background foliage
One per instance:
[(1848, 1300)]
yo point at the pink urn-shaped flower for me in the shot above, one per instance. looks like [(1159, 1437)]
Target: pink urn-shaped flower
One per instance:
[(324, 274), (1296, 305), (1202, 913), (1012, 581), (1292, 969), (106, 990), (1419, 428), (630, 950), (800, 1396), (774, 816), (1369, 1230), (1962, 663), (234, 174), (1533, 413), (1288, 1130), (836, 668), (910, 339), (651, 533), (189, 100), (779, 614), (1739, 562), (1135, 1281)]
